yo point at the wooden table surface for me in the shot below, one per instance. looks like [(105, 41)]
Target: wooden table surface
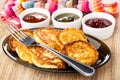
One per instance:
[(10, 70)]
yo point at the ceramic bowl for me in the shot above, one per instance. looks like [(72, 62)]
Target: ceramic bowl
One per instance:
[(28, 25), (100, 33), (75, 24)]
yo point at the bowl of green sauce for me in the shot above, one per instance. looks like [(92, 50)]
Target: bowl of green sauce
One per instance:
[(67, 17)]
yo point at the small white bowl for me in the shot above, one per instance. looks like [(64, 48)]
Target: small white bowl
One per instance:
[(100, 33), (75, 24), (28, 25)]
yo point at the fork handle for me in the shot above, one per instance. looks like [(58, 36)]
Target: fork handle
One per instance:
[(81, 68)]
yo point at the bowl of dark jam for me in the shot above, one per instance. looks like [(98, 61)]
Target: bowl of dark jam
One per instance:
[(67, 17), (34, 18), (98, 24)]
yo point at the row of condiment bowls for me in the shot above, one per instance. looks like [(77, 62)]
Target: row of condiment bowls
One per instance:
[(70, 17)]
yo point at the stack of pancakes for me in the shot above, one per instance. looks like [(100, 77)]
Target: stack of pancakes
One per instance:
[(70, 42)]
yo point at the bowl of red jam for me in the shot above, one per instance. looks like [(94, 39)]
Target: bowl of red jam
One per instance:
[(34, 18), (98, 24)]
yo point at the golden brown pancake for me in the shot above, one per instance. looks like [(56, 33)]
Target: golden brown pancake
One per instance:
[(48, 36), (24, 53), (69, 35), (82, 51), (46, 59)]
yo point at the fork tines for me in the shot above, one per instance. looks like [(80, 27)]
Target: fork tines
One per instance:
[(16, 32)]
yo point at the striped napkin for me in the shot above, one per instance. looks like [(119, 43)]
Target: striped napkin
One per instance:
[(10, 12), (12, 8), (98, 6)]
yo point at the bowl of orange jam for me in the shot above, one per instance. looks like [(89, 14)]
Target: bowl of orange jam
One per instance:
[(34, 18)]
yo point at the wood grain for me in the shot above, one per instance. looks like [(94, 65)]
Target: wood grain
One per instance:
[(9, 70)]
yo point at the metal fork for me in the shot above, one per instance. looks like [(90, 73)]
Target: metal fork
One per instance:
[(26, 40)]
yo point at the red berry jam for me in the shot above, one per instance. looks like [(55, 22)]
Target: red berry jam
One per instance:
[(98, 23)]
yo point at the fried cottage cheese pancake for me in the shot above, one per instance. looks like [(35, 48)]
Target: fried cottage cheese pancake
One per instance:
[(22, 51), (82, 51), (46, 59), (48, 36), (69, 35)]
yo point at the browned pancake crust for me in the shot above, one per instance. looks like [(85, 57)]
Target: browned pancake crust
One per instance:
[(46, 59), (13, 43), (48, 36), (69, 35), (82, 51), (24, 53)]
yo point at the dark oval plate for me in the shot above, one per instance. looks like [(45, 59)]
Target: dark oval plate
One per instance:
[(104, 55)]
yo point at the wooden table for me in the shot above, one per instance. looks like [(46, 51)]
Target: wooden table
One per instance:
[(10, 70)]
